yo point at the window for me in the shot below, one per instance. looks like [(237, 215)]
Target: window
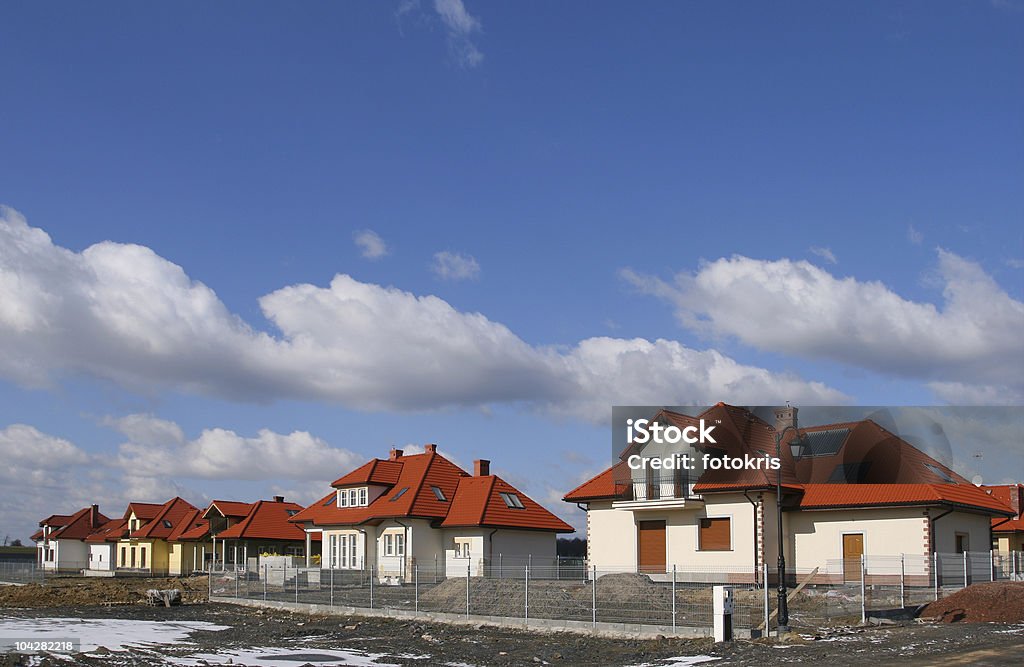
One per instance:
[(512, 501), (851, 473), (142, 557), (715, 534), (389, 544), (963, 543), (124, 556), (292, 512), (344, 550), (331, 501), (943, 475), (400, 545), (401, 492), (462, 548), (343, 498), (167, 524), (363, 494), (353, 497), (438, 493)]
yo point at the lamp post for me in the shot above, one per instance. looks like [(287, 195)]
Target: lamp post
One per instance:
[(796, 447)]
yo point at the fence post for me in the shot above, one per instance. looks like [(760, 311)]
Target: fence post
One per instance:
[(296, 585), (264, 581), (236, 583), (673, 596), (992, 565), (767, 602), (209, 583), (965, 569), (416, 585), (435, 568), (469, 567), (863, 590), (935, 572), (526, 610), (593, 594), (332, 583), (903, 576), (371, 587), (558, 562), (501, 567)]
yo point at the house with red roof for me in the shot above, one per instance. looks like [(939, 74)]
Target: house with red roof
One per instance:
[(103, 547), (850, 489), (1008, 532), (60, 540), (265, 528), (146, 548), (423, 510)]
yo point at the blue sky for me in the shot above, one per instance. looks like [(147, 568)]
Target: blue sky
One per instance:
[(615, 187)]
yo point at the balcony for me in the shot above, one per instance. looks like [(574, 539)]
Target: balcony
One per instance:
[(659, 492)]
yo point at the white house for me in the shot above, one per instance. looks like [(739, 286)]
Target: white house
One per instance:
[(424, 510), (60, 540), (102, 545), (852, 489)]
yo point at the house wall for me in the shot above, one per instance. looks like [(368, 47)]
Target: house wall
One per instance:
[(818, 536), (1006, 542), (458, 567), (366, 551), (101, 556), (976, 526), (611, 534), (520, 545), (67, 555)]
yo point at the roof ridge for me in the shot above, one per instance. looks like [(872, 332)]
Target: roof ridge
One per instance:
[(487, 497)]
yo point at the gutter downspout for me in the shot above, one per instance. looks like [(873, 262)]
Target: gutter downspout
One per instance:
[(756, 572), (365, 549), (490, 545)]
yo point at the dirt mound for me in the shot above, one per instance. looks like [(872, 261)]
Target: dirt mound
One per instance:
[(506, 597), (996, 602), (77, 592)]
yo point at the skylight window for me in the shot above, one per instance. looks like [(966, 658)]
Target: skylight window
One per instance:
[(292, 512), (401, 492), (438, 493), (167, 524), (940, 472), (512, 501)]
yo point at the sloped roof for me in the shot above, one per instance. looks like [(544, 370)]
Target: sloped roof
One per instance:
[(478, 502), (77, 526), (228, 508), (166, 521), (143, 511), (111, 531), (964, 496), (1011, 495), (192, 527), (411, 480), (267, 520), (608, 485)]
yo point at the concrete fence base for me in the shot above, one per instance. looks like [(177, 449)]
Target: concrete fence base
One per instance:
[(600, 629)]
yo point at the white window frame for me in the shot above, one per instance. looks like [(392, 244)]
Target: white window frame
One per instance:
[(399, 544), (342, 498), (389, 544), (463, 547)]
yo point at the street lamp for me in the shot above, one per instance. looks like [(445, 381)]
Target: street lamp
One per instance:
[(796, 449)]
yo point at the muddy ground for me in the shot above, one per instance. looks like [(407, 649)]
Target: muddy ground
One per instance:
[(289, 640)]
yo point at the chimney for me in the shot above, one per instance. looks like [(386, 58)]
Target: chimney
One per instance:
[(94, 516), (278, 499), (430, 448), (395, 454), (785, 417), (481, 468)]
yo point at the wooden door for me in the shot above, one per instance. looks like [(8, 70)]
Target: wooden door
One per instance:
[(651, 546), (853, 549)]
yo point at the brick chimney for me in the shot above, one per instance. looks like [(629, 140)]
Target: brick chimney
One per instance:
[(430, 448), (395, 454), (94, 516), (785, 417), (481, 468), (278, 499)]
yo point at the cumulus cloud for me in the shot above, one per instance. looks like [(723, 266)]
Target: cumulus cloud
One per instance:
[(370, 244), (123, 313), (455, 266), (223, 454), (796, 308), (825, 253), (460, 27)]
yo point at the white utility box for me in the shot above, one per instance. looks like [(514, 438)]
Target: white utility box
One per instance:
[(723, 604)]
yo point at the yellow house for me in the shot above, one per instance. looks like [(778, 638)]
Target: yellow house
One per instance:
[(147, 548), (190, 545)]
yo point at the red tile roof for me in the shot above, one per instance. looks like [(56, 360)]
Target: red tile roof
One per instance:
[(143, 511), (77, 526), (1011, 495), (267, 520), (111, 531), (229, 508), (417, 474), (967, 496), (166, 521), (609, 484), (192, 528)]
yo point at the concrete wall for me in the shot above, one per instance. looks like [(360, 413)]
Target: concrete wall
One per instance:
[(977, 527), (101, 556)]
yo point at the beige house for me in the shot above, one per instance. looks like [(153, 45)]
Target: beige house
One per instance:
[(853, 489)]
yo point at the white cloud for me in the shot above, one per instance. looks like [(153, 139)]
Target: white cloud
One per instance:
[(223, 454), (460, 26), (371, 245), (914, 236), (22, 444), (123, 313), (825, 253), (799, 309), (455, 266)]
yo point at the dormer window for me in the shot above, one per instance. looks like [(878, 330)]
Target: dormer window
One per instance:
[(357, 497)]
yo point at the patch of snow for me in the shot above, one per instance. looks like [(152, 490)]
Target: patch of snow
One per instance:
[(290, 657), (680, 661), (114, 634)]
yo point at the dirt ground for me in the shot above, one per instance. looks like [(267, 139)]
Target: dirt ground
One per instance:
[(1000, 602), (75, 591), (295, 639)]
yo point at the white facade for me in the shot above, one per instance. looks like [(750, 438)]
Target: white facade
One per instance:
[(101, 556), (63, 554)]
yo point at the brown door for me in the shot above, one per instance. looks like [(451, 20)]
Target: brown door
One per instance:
[(853, 549), (651, 545)]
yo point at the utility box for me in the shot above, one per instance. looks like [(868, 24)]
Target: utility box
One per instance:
[(723, 604)]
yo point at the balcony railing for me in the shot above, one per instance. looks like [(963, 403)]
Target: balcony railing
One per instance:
[(664, 487)]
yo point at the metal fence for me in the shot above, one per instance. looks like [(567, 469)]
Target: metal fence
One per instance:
[(837, 591), (21, 573)]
